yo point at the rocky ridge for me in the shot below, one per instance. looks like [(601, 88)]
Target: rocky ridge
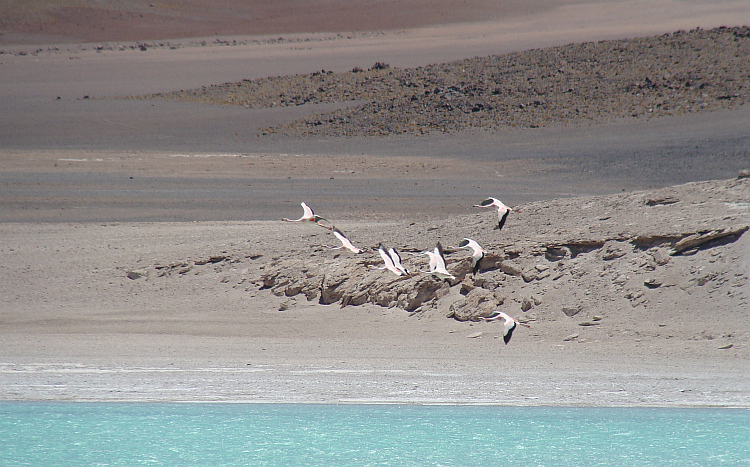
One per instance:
[(624, 250), (671, 74), (663, 254)]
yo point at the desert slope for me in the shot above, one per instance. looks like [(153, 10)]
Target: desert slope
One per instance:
[(95, 311)]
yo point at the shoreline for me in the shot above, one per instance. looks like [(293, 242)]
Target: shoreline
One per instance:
[(600, 385)]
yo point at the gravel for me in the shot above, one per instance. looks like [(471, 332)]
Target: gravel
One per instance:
[(671, 74)]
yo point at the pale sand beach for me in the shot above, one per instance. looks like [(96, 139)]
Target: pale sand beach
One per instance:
[(94, 188)]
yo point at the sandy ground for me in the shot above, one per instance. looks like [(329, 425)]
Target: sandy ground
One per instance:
[(75, 327), (79, 176)]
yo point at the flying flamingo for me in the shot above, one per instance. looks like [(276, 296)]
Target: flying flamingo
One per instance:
[(437, 264), (433, 260), (509, 325), (502, 210), (345, 243), (396, 258), (309, 216), (388, 260), (477, 253)]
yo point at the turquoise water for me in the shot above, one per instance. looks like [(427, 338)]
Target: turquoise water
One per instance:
[(129, 434)]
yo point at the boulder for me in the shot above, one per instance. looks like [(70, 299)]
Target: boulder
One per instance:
[(479, 303)]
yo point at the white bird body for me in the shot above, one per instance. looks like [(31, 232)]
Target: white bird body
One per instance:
[(509, 325), (502, 210), (345, 243), (308, 216), (437, 264), (477, 252), (396, 258), (389, 265), (433, 261)]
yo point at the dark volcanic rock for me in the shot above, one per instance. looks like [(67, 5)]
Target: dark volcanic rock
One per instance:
[(672, 74)]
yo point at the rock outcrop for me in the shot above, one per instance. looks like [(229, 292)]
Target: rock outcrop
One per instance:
[(627, 251), (565, 259)]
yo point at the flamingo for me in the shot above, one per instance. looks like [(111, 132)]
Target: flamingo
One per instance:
[(388, 260), (502, 210), (345, 243), (477, 253), (396, 258), (433, 260), (437, 263), (309, 216), (509, 325)]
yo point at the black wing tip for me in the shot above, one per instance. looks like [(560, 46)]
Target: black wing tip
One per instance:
[(501, 223), (508, 335), (486, 202), (440, 250)]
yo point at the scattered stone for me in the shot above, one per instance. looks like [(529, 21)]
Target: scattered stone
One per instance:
[(186, 269), (530, 274), (570, 337), (652, 283), (620, 280), (612, 250), (571, 311), (500, 297), (558, 274), (489, 262), (661, 200), (725, 347), (660, 255), (284, 306), (213, 259), (556, 253), (743, 174), (467, 286), (597, 318), (526, 304), (474, 335), (634, 295), (137, 274), (589, 323), (510, 268)]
